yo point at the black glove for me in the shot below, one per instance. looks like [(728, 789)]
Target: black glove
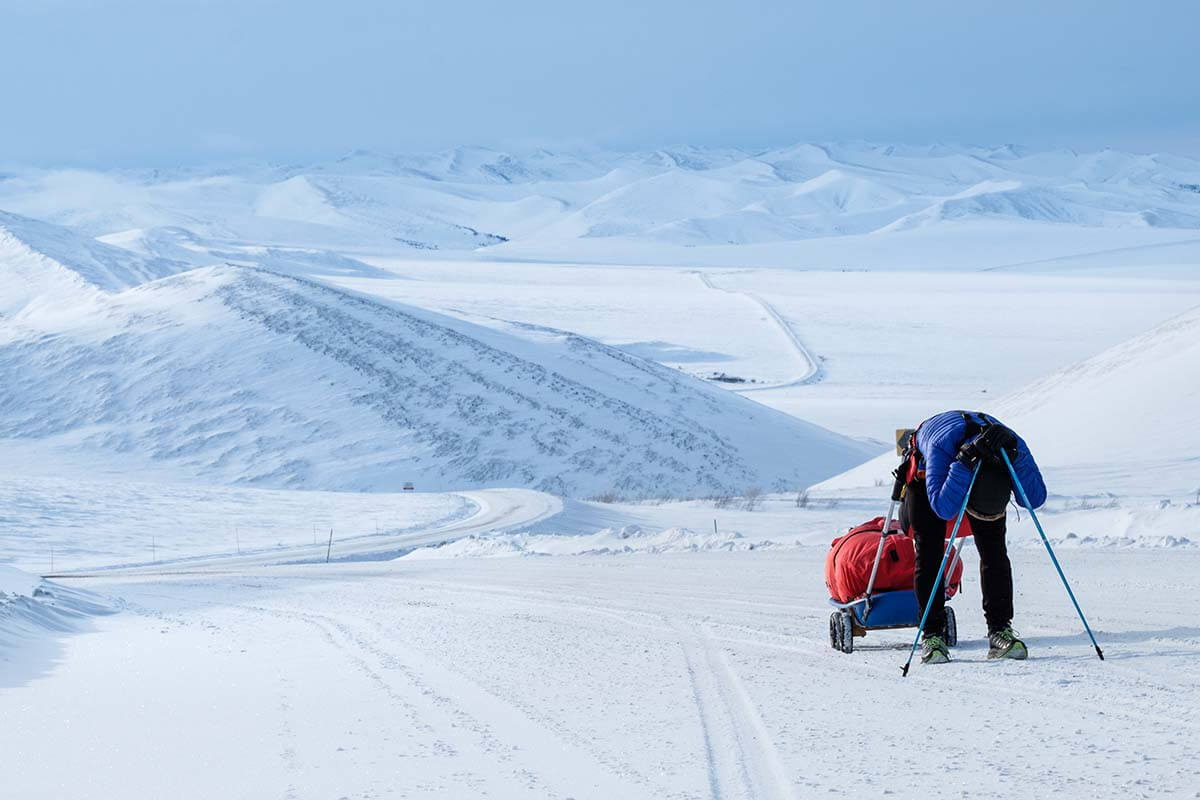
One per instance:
[(969, 452), (997, 439)]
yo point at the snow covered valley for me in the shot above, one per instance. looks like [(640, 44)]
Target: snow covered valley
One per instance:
[(636, 396)]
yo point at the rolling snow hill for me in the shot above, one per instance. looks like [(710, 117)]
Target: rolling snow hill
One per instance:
[(240, 375), (650, 207), (1123, 421), (1130, 410), (51, 264)]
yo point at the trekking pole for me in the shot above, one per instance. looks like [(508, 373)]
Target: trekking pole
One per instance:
[(937, 582), (1050, 550), (897, 495), (883, 534)]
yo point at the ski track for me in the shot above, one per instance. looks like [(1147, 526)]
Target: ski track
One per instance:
[(679, 677), (812, 367), (742, 759)]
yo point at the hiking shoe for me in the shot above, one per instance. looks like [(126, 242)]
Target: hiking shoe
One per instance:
[(1005, 644), (934, 650)]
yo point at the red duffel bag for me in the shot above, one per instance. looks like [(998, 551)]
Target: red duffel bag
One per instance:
[(851, 557)]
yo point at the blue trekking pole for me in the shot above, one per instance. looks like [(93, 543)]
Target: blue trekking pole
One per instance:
[(1050, 550), (937, 582)]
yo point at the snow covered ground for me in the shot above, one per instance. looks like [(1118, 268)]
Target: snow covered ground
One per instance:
[(817, 205), (669, 676), (888, 346), (236, 374), (198, 364)]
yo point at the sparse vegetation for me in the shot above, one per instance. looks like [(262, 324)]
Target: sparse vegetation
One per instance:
[(1091, 501), (802, 498)]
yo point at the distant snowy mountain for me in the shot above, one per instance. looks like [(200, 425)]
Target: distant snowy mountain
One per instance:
[(236, 374), (518, 205)]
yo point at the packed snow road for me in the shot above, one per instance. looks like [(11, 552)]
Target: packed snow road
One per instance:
[(810, 368), (701, 675), (482, 512)]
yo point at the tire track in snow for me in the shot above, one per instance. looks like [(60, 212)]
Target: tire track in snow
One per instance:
[(769, 772), (812, 367), (742, 760), (440, 694), (657, 606)]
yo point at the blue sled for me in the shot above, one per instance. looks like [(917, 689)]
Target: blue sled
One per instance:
[(898, 609)]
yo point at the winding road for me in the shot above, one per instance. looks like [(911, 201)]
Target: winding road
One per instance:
[(491, 511), (810, 367)]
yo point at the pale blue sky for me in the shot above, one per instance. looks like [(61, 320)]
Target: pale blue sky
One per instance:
[(162, 81)]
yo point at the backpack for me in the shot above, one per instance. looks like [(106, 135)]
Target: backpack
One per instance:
[(851, 557)]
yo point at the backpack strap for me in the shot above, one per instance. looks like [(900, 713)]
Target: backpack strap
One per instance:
[(914, 462)]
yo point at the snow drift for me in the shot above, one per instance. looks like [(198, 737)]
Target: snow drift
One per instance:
[(626, 540), (31, 607)]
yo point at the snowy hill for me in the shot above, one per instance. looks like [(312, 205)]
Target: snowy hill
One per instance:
[(52, 264), (1134, 404), (241, 375), (1123, 421), (650, 207)]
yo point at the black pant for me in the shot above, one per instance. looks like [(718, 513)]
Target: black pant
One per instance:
[(929, 536)]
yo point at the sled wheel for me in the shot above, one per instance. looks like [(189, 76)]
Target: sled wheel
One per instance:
[(847, 629), (835, 636), (950, 632)]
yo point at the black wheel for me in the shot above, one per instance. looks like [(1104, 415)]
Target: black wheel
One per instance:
[(847, 629), (950, 632), (835, 636)]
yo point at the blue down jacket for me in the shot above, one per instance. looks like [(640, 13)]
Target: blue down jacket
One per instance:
[(946, 480)]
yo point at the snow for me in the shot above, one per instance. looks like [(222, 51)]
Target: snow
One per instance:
[(96, 521), (662, 205), (238, 375), (15, 583), (32, 611), (628, 540), (687, 675), (44, 264), (1116, 424), (217, 380), (1151, 387), (993, 332)]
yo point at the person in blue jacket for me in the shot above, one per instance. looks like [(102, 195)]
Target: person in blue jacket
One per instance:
[(947, 449)]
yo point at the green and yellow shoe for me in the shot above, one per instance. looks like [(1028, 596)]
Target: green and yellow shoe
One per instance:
[(934, 650), (1005, 644)]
